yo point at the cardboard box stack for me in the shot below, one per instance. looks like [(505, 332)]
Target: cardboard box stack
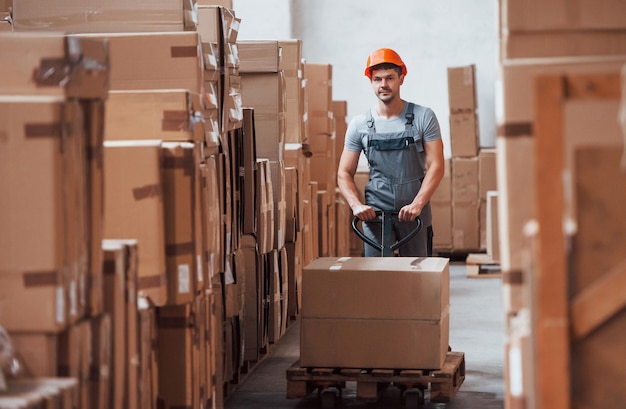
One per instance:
[(179, 207), (540, 38), (401, 311), (464, 147), (323, 148), (51, 293)]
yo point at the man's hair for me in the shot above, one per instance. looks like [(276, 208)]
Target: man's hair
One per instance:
[(387, 66)]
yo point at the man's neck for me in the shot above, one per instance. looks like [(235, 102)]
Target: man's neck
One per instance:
[(390, 110)]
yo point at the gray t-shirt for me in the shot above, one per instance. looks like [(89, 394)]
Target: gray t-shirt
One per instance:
[(425, 122)]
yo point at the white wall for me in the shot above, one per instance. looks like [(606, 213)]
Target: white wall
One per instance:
[(430, 36)]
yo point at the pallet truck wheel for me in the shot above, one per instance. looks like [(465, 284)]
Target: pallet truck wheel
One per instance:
[(413, 399), (328, 397)]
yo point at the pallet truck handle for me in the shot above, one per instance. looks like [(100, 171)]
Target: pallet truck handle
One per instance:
[(379, 246)]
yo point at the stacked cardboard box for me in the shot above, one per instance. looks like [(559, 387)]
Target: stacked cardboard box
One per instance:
[(382, 313), (464, 146), (51, 269), (321, 138)]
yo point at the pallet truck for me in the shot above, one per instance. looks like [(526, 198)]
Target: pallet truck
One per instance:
[(441, 384)]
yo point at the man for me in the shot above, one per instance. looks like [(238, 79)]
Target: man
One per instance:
[(401, 140)]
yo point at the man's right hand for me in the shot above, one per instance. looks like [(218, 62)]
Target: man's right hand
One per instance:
[(364, 212)]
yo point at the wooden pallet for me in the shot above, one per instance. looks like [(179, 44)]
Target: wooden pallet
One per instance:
[(481, 265), (441, 384)]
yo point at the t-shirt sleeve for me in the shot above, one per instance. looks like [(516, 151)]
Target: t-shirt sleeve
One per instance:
[(353, 140), (432, 131)]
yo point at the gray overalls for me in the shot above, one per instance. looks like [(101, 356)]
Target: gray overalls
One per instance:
[(397, 163)]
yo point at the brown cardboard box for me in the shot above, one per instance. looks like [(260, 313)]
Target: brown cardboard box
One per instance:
[(259, 55), (292, 65), (134, 208), (175, 355), (382, 303), (319, 96), (465, 226), (154, 60), (170, 115), (384, 343), (40, 64), (442, 225), (178, 175), (37, 352), (266, 93), (462, 89), (419, 290), (36, 241), (464, 139), (115, 16), (487, 178), (465, 180)]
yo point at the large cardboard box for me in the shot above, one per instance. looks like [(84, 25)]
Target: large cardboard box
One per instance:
[(39, 258), (141, 61), (381, 312), (462, 90), (175, 354), (77, 16), (465, 180), (259, 55), (266, 93), (169, 115), (464, 140), (179, 182), (134, 208), (54, 64)]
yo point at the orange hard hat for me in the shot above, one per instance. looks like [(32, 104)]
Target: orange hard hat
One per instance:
[(383, 55)]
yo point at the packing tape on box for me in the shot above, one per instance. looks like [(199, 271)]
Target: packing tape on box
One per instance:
[(147, 191), (41, 278), (152, 281), (180, 249), (516, 129)]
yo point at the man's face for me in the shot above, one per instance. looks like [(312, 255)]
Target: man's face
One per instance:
[(386, 84)]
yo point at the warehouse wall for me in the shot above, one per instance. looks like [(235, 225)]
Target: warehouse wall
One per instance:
[(430, 36)]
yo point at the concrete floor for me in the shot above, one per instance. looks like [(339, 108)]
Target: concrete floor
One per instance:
[(476, 328)]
